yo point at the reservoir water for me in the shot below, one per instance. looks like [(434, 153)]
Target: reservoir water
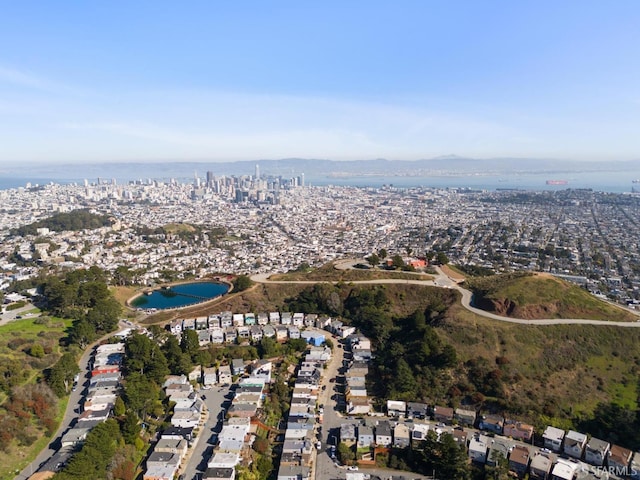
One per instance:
[(181, 295)]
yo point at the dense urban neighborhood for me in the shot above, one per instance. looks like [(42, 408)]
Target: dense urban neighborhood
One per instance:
[(330, 384)]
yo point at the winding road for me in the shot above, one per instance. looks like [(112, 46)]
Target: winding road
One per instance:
[(441, 280)]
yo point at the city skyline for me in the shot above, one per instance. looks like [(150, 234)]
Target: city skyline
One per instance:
[(158, 82)]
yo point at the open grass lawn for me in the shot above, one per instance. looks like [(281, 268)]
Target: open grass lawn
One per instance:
[(122, 294), (542, 296)]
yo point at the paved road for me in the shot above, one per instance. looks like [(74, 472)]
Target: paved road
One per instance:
[(443, 281), (10, 315), (202, 449)]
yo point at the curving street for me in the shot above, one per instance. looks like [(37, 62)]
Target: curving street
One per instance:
[(443, 281)]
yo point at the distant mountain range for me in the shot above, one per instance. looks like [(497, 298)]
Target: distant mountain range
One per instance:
[(310, 167)]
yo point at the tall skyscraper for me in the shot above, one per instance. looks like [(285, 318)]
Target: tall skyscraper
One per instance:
[(257, 172)]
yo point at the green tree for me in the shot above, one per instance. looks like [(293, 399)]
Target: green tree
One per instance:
[(382, 253), (242, 282), (442, 258), (130, 428), (373, 259), (189, 343), (119, 408), (397, 261), (345, 453), (60, 376)]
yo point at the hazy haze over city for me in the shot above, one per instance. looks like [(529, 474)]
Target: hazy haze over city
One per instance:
[(211, 82)]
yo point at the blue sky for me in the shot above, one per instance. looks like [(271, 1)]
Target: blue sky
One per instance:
[(217, 81)]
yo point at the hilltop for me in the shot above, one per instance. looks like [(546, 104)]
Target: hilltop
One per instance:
[(537, 296)]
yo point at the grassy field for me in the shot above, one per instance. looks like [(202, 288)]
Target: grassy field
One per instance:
[(16, 340), (541, 296), (328, 273)]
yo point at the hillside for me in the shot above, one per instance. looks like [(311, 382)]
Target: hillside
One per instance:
[(539, 296), (429, 348), (328, 273)]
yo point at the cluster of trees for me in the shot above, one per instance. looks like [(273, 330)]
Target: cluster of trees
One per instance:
[(105, 454), (84, 296), (60, 222)]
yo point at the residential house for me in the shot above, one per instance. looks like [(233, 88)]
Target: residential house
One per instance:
[(298, 319), (170, 445), (256, 333), (401, 436), (460, 436), (249, 319), (202, 323), (263, 319), (396, 408), (596, 451), (419, 433), (417, 410), (217, 336), (268, 331), (553, 438), (230, 335), (209, 376), (281, 333), (519, 460), (564, 470), (492, 423), (478, 448), (286, 318), (348, 433), (310, 320), (189, 324), (219, 473), (214, 321), (574, 443), (244, 334), (499, 447), (274, 318), (540, 466), (226, 319), (365, 436), (162, 466), (224, 375), (518, 430), (237, 366), (288, 472), (443, 414), (195, 375), (294, 332), (465, 417), (204, 337), (383, 434), (238, 320), (619, 457)]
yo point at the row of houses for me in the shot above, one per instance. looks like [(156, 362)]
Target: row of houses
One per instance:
[(101, 394), (228, 327), (544, 464), (356, 396), (592, 450), (299, 437), (237, 435), (169, 452)]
